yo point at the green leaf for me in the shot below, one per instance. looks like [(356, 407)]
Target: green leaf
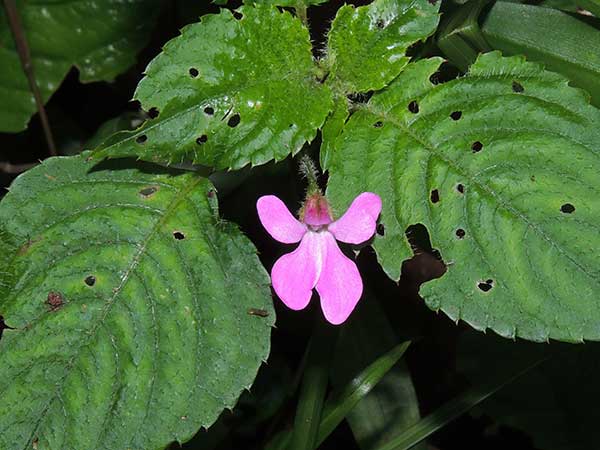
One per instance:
[(523, 30), (379, 399), (459, 36), (149, 335), (344, 402), (501, 167), (100, 37), (286, 3), (230, 93), (332, 128), (314, 386), (367, 45)]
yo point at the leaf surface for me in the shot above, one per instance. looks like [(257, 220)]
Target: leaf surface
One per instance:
[(131, 300), (501, 166), (367, 45), (100, 37), (235, 89)]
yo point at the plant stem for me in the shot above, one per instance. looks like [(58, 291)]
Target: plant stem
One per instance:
[(16, 27), (301, 12)]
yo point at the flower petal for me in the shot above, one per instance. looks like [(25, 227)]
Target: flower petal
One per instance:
[(358, 224), (340, 285), (295, 274), (278, 221)]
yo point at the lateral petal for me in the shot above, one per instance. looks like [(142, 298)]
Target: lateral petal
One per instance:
[(278, 220), (358, 223)]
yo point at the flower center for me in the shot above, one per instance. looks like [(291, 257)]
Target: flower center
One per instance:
[(317, 228)]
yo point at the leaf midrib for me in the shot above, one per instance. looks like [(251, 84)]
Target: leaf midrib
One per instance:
[(175, 202), (388, 116)]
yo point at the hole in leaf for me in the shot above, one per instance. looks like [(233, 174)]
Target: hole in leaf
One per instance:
[(460, 233), (476, 146), (567, 208), (460, 188), (178, 235), (445, 73), (380, 24), (194, 72), (456, 115), (209, 110), (90, 280), (485, 286), (202, 139), (3, 326), (427, 263), (435, 196), (380, 229), (210, 194), (378, 124), (238, 15), (413, 107), (153, 112), (148, 191), (517, 87), (141, 139), (234, 121)]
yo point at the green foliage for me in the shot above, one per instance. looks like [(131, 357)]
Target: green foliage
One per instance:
[(243, 88), (501, 167), (131, 299), (378, 398), (523, 30), (292, 3), (230, 92), (367, 45), (100, 37)]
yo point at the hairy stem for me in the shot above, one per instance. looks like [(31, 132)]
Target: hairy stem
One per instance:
[(16, 27)]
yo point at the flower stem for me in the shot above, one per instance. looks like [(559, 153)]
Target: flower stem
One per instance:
[(309, 171)]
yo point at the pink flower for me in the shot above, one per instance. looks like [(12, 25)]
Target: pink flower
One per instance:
[(318, 261)]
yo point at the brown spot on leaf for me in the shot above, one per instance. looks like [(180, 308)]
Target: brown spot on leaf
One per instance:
[(258, 312), (55, 301)]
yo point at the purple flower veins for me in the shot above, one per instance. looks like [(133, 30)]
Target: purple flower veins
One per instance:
[(318, 262)]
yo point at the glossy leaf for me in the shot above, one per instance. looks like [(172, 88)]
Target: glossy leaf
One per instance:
[(509, 199), (131, 301), (230, 92), (367, 45), (517, 29), (100, 37)]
